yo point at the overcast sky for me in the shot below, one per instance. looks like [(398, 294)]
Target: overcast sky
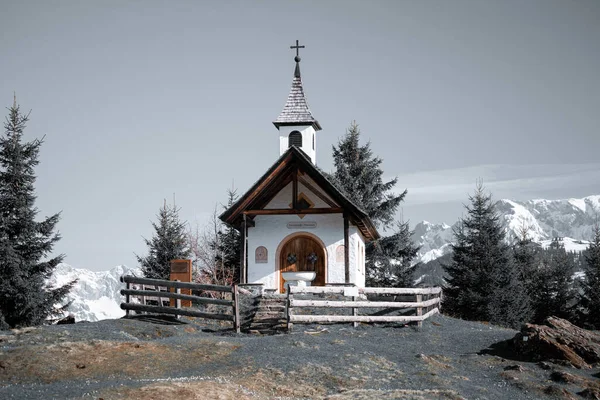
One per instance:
[(143, 99)]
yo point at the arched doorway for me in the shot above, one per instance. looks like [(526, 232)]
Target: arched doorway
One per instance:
[(302, 252)]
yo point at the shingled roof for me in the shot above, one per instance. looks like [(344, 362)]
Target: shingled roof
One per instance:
[(296, 110)]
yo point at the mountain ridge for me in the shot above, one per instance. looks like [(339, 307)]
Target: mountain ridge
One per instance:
[(570, 219)]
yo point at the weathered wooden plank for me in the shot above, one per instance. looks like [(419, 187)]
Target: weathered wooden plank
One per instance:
[(175, 311), (201, 300), (236, 309), (430, 313), (362, 304), (287, 211), (367, 290), (352, 318), (314, 190), (289, 309), (374, 290), (354, 312), (178, 301), (419, 309), (361, 318), (173, 284), (316, 289)]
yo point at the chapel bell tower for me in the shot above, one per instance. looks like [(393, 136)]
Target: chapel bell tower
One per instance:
[(296, 125)]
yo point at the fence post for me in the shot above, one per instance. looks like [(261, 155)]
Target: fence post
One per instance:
[(127, 286), (419, 309), (354, 313), (288, 309), (236, 308), (177, 301), (143, 298)]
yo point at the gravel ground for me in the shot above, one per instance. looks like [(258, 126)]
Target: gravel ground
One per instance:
[(113, 359)]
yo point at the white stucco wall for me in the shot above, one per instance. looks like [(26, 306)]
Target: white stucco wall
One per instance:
[(270, 230), (357, 256), (308, 133)]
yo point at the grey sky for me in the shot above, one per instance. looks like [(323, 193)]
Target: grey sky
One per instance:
[(142, 99)]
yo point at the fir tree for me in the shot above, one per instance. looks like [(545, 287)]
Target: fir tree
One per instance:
[(526, 255), (554, 293), (389, 259), (359, 176), (25, 243), (590, 298), (483, 283), (227, 244), (170, 242)]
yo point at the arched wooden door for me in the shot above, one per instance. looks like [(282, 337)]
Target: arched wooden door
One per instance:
[(302, 253)]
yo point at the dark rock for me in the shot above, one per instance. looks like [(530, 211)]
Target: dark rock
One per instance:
[(558, 392), (80, 366), (515, 367), (70, 319), (544, 365), (559, 339), (590, 393), (563, 377)]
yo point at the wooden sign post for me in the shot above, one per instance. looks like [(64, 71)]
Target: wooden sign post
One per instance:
[(181, 270)]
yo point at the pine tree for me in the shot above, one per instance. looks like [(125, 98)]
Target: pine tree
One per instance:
[(227, 245), (526, 255), (359, 176), (483, 282), (389, 259), (590, 299), (25, 243), (170, 242), (554, 293)]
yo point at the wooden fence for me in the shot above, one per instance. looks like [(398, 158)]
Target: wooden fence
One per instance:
[(431, 305), (128, 292)]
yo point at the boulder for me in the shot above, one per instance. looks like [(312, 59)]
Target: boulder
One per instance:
[(70, 319), (558, 339)]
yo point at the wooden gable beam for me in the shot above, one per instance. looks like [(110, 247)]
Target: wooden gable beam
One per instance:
[(264, 184), (288, 211), (295, 189), (263, 197), (320, 195)]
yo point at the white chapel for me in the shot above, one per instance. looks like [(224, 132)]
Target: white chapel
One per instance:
[(293, 219)]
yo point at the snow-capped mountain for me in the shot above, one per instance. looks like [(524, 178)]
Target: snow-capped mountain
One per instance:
[(96, 295), (434, 239), (572, 220)]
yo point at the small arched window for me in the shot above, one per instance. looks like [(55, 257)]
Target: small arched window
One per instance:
[(295, 139)]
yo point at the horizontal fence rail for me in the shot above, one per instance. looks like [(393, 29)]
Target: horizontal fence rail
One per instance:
[(130, 292), (358, 295), (176, 284)]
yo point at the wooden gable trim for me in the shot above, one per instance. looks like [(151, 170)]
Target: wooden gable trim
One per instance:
[(260, 186), (317, 193), (291, 164), (288, 211), (295, 189)]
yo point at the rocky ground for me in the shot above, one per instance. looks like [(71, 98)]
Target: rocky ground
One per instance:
[(150, 359)]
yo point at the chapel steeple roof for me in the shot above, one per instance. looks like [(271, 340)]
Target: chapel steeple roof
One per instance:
[(296, 110)]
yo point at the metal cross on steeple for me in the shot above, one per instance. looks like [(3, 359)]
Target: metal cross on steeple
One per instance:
[(297, 47)]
